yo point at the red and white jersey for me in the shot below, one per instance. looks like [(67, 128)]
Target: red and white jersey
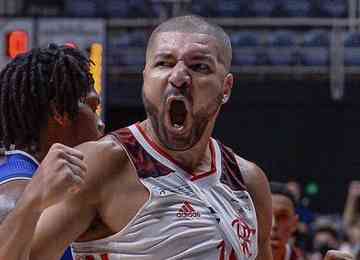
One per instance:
[(209, 216)]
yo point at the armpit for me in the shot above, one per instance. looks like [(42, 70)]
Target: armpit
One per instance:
[(9, 195), (6, 206)]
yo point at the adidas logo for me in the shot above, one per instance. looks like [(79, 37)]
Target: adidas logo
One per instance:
[(187, 210)]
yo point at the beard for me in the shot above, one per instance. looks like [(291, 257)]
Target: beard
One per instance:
[(200, 120)]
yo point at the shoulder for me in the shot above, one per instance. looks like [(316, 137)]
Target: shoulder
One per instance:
[(257, 185), (107, 151), (105, 160), (253, 175)]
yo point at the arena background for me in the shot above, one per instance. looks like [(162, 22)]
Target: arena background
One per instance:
[(295, 108)]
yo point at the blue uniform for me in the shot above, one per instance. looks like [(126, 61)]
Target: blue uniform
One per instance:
[(21, 166)]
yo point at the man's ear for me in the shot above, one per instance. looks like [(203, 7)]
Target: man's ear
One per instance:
[(62, 120), (227, 87)]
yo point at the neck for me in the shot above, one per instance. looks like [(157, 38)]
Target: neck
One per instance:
[(279, 253), (43, 145), (196, 158)]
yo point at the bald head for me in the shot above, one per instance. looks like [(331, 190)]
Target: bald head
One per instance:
[(196, 24)]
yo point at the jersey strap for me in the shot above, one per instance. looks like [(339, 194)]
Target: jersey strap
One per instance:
[(18, 166)]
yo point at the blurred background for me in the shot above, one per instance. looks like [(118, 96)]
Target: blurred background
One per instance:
[(295, 109)]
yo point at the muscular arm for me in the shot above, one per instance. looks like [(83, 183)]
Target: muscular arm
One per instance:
[(258, 187), (18, 219), (60, 225), (64, 222)]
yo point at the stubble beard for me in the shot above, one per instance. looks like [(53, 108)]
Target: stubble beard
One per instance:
[(200, 120)]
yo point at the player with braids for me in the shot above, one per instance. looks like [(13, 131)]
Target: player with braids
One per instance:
[(36, 81), (47, 105)]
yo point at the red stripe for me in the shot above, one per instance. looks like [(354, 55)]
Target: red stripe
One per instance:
[(213, 165), (188, 210), (188, 206), (184, 209), (170, 158)]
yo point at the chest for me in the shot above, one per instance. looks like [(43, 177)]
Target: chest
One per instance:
[(206, 211), (207, 201)]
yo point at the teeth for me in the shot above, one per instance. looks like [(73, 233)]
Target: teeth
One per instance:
[(177, 126)]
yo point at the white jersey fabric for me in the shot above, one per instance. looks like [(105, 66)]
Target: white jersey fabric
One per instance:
[(185, 217)]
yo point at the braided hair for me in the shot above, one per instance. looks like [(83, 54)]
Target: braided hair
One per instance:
[(32, 83)]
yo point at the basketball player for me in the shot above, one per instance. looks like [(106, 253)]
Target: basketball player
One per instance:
[(163, 188), (46, 97), (285, 222)]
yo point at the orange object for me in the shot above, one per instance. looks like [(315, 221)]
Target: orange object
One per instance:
[(17, 43)]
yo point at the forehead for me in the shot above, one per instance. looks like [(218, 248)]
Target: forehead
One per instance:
[(179, 43), (281, 202)]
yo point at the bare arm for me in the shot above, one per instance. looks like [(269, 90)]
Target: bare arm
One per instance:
[(50, 184), (60, 225), (352, 210), (258, 187), (18, 220), (64, 222)]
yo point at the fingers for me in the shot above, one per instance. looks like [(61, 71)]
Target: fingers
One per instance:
[(71, 165), (354, 189), (338, 255), (71, 158), (68, 150), (75, 153), (76, 174), (76, 162)]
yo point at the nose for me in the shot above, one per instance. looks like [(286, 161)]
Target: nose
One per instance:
[(100, 126), (180, 76)]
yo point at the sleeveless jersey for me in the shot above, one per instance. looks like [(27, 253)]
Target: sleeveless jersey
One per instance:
[(207, 216), (18, 166), (22, 166)]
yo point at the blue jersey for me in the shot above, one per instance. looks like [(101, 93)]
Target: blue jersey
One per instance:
[(22, 166)]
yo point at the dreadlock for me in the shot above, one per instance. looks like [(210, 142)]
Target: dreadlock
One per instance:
[(31, 83)]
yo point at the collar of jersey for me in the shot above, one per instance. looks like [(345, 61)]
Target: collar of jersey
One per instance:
[(14, 152)]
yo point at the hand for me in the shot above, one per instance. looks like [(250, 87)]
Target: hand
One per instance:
[(354, 189), (338, 255), (60, 174)]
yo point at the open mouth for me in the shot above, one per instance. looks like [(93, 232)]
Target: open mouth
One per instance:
[(178, 113)]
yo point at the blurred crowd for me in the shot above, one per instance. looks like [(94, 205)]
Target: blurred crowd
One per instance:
[(300, 233)]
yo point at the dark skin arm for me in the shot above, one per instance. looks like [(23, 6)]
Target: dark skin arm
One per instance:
[(258, 187)]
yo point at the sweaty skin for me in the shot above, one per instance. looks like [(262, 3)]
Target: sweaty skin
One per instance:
[(184, 65)]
